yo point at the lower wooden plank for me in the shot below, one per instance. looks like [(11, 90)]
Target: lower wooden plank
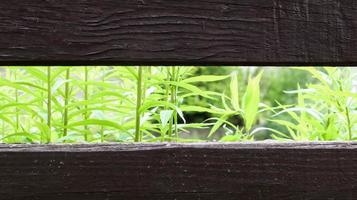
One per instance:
[(179, 171)]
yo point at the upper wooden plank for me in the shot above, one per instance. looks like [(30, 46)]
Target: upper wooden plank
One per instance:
[(198, 32)]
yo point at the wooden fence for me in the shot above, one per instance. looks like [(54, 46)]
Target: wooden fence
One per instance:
[(184, 32), (179, 171)]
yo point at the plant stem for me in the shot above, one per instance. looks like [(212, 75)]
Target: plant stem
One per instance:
[(348, 123), (347, 112), (7, 76), (138, 105), (2, 134), (102, 127), (171, 100), (66, 100), (166, 98), (173, 120), (86, 103), (49, 104), (16, 108), (176, 103)]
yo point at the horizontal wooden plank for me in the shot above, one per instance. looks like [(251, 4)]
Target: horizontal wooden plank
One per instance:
[(185, 32), (257, 170)]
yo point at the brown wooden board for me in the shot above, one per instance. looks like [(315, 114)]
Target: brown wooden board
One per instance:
[(258, 170), (181, 32)]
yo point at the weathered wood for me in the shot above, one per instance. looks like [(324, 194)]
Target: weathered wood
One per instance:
[(179, 171), (199, 32)]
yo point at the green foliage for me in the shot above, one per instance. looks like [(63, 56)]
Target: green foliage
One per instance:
[(247, 110), (325, 110), (148, 104), (95, 104)]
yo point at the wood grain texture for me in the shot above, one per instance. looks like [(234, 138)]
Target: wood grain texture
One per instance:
[(198, 32), (179, 171)]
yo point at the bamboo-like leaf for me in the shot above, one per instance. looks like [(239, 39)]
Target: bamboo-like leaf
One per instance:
[(29, 136), (37, 73), (186, 108), (218, 124), (189, 87), (204, 78), (250, 102), (165, 116), (234, 90)]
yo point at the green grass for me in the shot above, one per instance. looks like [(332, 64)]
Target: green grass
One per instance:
[(150, 104)]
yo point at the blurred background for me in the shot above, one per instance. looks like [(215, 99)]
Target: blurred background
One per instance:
[(273, 85)]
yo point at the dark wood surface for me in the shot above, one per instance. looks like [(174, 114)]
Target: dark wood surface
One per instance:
[(184, 32), (179, 171)]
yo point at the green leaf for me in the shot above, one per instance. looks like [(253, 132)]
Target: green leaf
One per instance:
[(8, 120), (265, 129), (150, 104), (189, 87), (31, 137), (250, 102), (234, 90), (44, 130), (30, 84), (186, 108), (230, 138), (16, 86), (165, 116), (37, 73), (218, 124), (204, 78), (57, 85), (180, 113)]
